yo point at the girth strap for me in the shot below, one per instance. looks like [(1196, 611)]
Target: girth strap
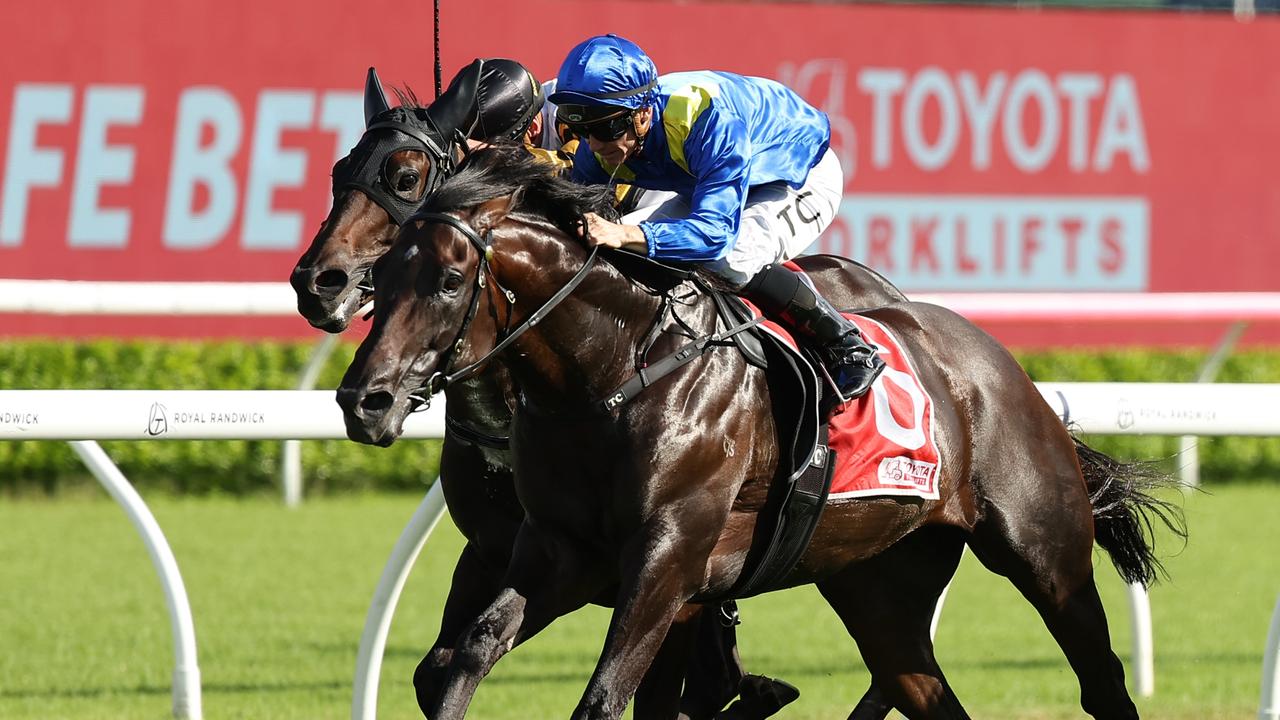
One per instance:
[(797, 518)]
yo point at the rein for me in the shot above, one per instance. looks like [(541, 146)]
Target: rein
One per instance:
[(646, 374), (443, 378)]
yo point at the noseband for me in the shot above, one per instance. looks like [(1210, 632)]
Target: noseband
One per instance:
[(442, 378)]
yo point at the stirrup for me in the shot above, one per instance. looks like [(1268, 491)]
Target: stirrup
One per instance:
[(855, 378)]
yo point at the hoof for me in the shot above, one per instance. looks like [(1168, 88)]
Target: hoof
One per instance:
[(759, 697)]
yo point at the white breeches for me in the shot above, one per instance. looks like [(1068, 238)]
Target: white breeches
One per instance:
[(778, 223)]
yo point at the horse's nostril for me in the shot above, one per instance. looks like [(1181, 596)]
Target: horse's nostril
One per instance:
[(331, 280), (377, 401)]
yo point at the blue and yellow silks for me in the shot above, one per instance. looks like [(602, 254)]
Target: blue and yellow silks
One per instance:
[(715, 135)]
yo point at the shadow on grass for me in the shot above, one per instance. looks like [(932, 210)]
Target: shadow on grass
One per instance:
[(206, 689)]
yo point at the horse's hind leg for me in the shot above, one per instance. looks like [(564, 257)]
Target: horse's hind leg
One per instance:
[(1043, 542), (887, 604), (873, 705)]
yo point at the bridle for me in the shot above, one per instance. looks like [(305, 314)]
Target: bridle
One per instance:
[(364, 168), (443, 377)]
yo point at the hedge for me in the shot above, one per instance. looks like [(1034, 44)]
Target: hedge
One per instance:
[(239, 467)]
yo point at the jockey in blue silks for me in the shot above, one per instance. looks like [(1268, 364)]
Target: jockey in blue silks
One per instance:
[(754, 181)]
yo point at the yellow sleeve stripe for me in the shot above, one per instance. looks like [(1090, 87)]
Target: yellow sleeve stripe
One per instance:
[(551, 157), (621, 172), (682, 111)]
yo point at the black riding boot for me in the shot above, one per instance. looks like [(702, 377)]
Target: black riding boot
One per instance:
[(782, 294)]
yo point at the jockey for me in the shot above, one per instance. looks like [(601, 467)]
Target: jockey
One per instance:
[(754, 179), (509, 104)]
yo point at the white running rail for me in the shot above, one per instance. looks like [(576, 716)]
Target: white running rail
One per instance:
[(86, 297), (82, 297), (186, 673), (1269, 707)]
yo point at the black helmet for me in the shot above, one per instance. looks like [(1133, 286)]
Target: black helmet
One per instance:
[(505, 96)]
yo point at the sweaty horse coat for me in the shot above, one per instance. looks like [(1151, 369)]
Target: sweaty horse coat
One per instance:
[(661, 497)]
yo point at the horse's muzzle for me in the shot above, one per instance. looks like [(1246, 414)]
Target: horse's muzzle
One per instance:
[(328, 299), (368, 416)]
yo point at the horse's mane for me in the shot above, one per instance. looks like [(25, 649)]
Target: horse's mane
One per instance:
[(408, 98), (507, 169), (410, 111)]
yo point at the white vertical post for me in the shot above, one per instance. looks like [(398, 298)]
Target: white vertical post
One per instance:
[(291, 455), (1144, 670), (1188, 445), (186, 674), (373, 643), (1269, 707)]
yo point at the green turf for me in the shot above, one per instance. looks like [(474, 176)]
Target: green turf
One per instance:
[(280, 597)]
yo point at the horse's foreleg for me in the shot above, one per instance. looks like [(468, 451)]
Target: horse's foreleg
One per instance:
[(545, 580), (662, 567), (715, 671), (473, 589), (659, 693)]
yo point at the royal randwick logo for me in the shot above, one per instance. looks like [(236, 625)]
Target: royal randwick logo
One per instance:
[(158, 422)]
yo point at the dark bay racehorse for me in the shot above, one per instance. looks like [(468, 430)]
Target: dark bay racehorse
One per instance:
[(331, 281), (658, 500)]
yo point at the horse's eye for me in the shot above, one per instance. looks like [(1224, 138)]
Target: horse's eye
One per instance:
[(452, 281), (407, 182)]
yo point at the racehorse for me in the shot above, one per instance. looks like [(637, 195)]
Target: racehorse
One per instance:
[(659, 498), (331, 281)]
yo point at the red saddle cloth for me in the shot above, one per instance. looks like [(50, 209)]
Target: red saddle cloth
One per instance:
[(884, 440)]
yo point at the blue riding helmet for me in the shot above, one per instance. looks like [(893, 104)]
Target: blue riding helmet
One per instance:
[(606, 70)]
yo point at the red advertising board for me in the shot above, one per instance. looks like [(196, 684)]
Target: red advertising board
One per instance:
[(984, 149)]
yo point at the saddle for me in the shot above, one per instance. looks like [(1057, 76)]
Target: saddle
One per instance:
[(796, 500)]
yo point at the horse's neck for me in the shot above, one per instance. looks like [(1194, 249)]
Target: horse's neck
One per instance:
[(585, 348), (483, 402)]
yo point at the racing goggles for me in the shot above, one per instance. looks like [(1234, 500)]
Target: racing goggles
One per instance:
[(583, 121)]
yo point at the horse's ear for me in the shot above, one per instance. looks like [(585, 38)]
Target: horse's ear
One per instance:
[(496, 210), (375, 100), (513, 201)]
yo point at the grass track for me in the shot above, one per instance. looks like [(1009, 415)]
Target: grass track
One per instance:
[(279, 599)]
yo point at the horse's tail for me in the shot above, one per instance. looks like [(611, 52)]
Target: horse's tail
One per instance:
[(1124, 510)]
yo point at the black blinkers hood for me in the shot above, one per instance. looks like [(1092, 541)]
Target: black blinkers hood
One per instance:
[(365, 166), (487, 100)]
